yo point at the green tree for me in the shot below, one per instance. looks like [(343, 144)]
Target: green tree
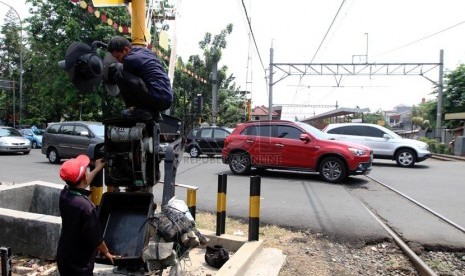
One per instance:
[(53, 26), (454, 94), (49, 95), (373, 118), (230, 100), (428, 111), (453, 99)]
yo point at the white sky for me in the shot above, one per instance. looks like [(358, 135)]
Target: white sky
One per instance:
[(296, 28)]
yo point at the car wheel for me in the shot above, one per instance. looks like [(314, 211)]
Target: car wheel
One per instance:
[(53, 156), (239, 163), (333, 170), (194, 152), (405, 158), (34, 144)]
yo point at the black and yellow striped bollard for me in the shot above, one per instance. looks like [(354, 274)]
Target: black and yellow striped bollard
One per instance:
[(254, 207), (221, 205)]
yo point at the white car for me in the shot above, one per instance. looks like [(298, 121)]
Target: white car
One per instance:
[(13, 141), (384, 143)]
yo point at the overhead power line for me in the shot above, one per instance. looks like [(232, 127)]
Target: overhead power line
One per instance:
[(327, 31), (423, 38), (322, 41), (253, 36)]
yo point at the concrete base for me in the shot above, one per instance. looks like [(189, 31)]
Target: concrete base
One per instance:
[(29, 218), (247, 258)]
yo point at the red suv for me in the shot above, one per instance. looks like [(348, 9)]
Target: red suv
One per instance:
[(293, 146)]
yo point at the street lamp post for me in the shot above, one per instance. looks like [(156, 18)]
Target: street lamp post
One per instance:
[(20, 61)]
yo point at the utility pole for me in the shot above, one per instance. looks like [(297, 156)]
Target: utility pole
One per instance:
[(20, 61), (270, 85), (214, 91), (440, 88), (138, 23)]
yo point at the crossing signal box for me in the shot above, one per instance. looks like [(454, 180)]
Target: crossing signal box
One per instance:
[(83, 65), (198, 104)]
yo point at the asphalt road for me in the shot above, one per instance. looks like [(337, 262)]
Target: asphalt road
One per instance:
[(294, 199)]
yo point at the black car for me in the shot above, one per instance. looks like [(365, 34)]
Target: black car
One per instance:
[(207, 140)]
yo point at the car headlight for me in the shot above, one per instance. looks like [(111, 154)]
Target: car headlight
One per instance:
[(357, 152), (424, 146)]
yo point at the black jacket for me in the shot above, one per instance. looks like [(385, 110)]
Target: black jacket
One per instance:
[(80, 233)]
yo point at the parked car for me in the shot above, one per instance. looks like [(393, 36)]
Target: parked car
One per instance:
[(207, 140), (13, 141), (385, 143), (69, 139), (293, 146), (34, 135)]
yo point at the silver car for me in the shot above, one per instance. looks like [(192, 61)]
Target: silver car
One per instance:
[(13, 141), (384, 143)]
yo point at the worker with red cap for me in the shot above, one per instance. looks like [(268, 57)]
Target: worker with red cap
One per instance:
[(81, 235)]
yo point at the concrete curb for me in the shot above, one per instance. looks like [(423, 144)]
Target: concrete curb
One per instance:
[(251, 258), (245, 252), (447, 157)]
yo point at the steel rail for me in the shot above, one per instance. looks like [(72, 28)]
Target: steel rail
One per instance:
[(422, 267), (420, 205)]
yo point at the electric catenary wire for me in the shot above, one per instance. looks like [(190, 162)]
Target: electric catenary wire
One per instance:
[(423, 38), (321, 43), (256, 46)]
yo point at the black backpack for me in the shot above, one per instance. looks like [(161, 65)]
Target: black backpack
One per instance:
[(216, 256)]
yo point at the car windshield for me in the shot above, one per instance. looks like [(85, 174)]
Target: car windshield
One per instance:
[(9, 132), (313, 131), (99, 130)]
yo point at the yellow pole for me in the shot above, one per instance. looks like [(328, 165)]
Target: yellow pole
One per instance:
[(192, 201), (138, 24), (97, 188)]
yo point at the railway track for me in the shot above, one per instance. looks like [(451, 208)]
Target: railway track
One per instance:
[(415, 227)]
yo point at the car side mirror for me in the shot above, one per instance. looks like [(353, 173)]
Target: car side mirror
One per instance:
[(305, 137), (386, 136)]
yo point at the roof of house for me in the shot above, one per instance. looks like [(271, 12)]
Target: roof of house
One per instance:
[(337, 112), (262, 111)]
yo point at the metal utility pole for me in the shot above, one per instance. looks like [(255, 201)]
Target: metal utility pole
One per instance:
[(214, 91), (20, 61), (270, 87), (440, 88), (138, 24)]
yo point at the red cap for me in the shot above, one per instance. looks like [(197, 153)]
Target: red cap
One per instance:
[(74, 169)]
